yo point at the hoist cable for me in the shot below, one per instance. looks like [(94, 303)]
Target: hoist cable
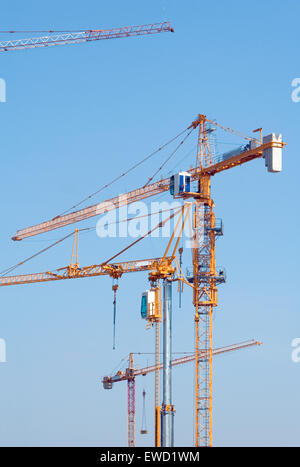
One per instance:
[(2, 273), (133, 167), (85, 230), (168, 158)]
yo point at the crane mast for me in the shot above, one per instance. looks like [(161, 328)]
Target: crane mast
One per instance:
[(156, 320), (131, 403), (205, 299), (205, 294), (156, 390)]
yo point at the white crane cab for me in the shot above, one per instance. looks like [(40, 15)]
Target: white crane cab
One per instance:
[(148, 304), (180, 184)]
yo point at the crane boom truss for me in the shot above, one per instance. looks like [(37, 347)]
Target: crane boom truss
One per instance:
[(123, 376), (114, 269), (85, 36), (141, 193), (94, 210)]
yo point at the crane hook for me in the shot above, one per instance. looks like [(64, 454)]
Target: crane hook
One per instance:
[(144, 430), (180, 284), (115, 287)]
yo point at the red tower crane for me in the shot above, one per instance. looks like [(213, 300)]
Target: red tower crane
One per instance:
[(130, 374)]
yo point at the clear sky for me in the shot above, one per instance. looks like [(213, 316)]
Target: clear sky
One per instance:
[(75, 117)]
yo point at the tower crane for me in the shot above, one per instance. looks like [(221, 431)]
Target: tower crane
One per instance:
[(131, 373), (158, 268), (76, 37), (205, 277)]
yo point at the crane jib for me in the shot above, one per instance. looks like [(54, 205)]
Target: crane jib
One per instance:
[(142, 193), (84, 36)]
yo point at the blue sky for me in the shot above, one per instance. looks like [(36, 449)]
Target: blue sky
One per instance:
[(75, 117)]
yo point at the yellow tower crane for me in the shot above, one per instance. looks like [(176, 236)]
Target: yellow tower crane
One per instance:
[(159, 268), (205, 276)]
